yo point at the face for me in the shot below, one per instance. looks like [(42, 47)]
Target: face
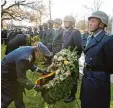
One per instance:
[(93, 24), (67, 24), (56, 25), (34, 44), (39, 57)]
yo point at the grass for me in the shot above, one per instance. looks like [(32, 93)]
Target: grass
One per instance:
[(32, 99)]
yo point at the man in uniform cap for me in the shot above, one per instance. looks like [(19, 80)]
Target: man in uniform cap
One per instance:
[(95, 88), (44, 38), (50, 33), (57, 40), (13, 73)]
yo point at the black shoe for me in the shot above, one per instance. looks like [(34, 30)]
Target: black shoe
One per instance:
[(69, 99)]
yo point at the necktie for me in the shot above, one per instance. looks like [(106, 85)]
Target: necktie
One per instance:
[(89, 39)]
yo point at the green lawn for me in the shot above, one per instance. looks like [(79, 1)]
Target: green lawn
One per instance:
[(34, 100)]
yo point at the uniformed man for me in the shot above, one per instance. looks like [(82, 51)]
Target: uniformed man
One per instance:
[(16, 42), (57, 40), (44, 39), (95, 88), (4, 37), (13, 73), (40, 31), (71, 37), (35, 33), (50, 34)]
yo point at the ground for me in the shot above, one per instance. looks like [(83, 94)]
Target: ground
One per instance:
[(33, 99)]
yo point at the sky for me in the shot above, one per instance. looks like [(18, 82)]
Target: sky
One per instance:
[(61, 8)]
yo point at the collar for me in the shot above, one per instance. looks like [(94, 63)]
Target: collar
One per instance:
[(95, 35)]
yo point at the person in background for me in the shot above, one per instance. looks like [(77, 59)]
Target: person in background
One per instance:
[(72, 37), (40, 31), (20, 39), (44, 39), (57, 40), (50, 33)]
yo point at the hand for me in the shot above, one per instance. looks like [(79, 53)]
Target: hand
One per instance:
[(38, 88)]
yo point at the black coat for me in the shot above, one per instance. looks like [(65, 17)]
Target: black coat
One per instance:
[(72, 38), (57, 41), (15, 42)]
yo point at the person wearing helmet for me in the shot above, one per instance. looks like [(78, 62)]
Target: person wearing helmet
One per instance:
[(72, 37), (40, 31), (13, 73), (95, 88), (44, 40), (57, 40), (50, 33)]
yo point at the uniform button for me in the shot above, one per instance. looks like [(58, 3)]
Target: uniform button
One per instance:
[(90, 58)]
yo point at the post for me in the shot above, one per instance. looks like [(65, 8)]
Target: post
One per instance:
[(50, 8)]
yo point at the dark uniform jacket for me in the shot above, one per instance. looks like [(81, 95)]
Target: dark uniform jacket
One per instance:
[(57, 41), (95, 89), (72, 38), (44, 39), (16, 63), (15, 42), (50, 33)]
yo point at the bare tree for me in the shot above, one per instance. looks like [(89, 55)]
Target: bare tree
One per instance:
[(16, 12), (95, 6), (12, 11), (38, 10)]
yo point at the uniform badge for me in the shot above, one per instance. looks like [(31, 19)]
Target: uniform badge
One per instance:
[(30, 58)]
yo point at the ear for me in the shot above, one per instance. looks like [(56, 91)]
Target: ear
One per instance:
[(101, 25)]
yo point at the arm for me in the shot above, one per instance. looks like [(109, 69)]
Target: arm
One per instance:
[(21, 67), (77, 41)]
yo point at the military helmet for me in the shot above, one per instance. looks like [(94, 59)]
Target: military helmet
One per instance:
[(69, 18), (58, 21), (44, 50), (101, 15), (50, 22), (45, 25)]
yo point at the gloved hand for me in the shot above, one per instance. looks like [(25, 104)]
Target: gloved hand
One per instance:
[(38, 88), (43, 71)]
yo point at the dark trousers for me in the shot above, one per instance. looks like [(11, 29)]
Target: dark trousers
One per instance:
[(11, 91), (75, 76)]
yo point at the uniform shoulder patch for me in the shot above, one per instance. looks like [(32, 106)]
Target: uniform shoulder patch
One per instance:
[(30, 58)]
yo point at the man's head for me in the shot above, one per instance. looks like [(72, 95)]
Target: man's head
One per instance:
[(45, 25), (41, 52), (69, 21), (40, 27), (98, 20), (57, 23)]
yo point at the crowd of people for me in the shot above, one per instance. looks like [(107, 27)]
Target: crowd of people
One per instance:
[(95, 43)]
